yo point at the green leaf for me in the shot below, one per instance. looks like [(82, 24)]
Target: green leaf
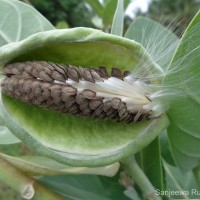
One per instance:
[(118, 20), (185, 183), (85, 187), (158, 41), (183, 132), (40, 166), (150, 162), (19, 20), (165, 148), (6, 137), (109, 11)]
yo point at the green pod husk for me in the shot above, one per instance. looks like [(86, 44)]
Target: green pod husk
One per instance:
[(69, 139)]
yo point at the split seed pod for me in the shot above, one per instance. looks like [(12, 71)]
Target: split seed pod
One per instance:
[(85, 132)]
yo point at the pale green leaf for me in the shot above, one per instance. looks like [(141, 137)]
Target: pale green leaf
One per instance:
[(183, 183), (84, 187), (40, 166), (19, 20), (158, 41), (118, 20), (184, 130)]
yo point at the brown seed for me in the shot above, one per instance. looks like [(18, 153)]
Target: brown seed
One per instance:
[(25, 98), (14, 82), (57, 100), (98, 111), (41, 98), (46, 94), (87, 76), (95, 75), (28, 68), (57, 76), (73, 108), (103, 72), (122, 108), (89, 94), (37, 91), (80, 98), (49, 102), (44, 76), (35, 83), (26, 75), (115, 102), (35, 72), (86, 111), (130, 119), (20, 85), (17, 93), (73, 73), (84, 104), (81, 72), (36, 101), (107, 105), (68, 104), (14, 70), (95, 103), (110, 111), (124, 116), (142, 117), (45, 85), (69, 90), (65, 96), (117, 73), (126, 73), (56, 94), (101, 116), (54, 107), (48, 65), (5, 81), (55, 87), (47, 70), (59, 68), (31, 95), (113, 114), (61, 106), (27, 85), (38, 66)]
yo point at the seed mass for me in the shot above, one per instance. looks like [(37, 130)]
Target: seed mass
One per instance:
[(78, 91)]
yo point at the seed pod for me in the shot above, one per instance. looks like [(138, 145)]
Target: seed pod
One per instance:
[(84, 141)]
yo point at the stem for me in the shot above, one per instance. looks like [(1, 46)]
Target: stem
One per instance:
[(140, 178), (26, 186)]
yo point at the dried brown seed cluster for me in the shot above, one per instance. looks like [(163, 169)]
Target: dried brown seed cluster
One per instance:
[(67, 89)]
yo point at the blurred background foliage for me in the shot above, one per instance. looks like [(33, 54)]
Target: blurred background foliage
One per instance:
[(99, 13)]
